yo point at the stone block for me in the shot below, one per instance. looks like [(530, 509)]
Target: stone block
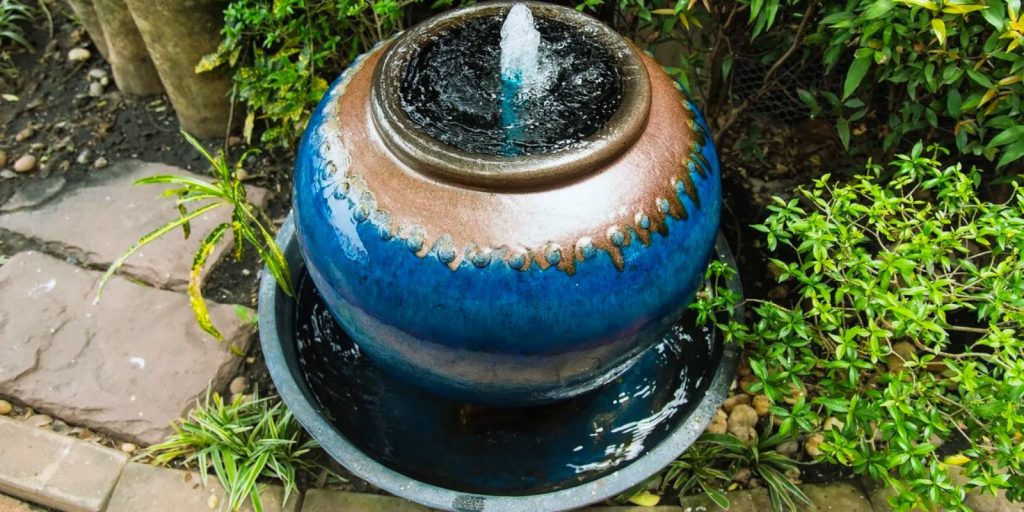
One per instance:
[(317, 500), (99, 220), (127, 365), (154, 489), (54, 470)]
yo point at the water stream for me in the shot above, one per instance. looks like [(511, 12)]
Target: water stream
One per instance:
[(522, 72)]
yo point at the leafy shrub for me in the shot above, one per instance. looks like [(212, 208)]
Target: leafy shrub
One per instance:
[(947, 71), (243, 441), (248, 225), (949, 66), (903, 332), (284, 53)]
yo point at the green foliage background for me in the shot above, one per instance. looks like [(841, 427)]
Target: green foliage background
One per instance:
[(904, 324), (905, 70)]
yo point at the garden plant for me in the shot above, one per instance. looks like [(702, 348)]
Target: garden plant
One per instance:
[(898, 351), (248, 226), (243, 440)]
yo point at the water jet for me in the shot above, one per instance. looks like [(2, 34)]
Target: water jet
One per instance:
[(495, 254)]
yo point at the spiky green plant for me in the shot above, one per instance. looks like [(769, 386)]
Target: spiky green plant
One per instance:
[(243, 441), (14, 14), (715, 458), (248, 225)]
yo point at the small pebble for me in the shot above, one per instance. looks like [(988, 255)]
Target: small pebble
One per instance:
[(746, 383), (3, 159), (813, 445), (719, 424), (104, 81), (84, 156), (25, 134), (95, 89), (78, 55), (40, 420), (100, 163), (97, 73), (234, 140), (741, 424), (238, 385), (212, 502), (129, 448), (5, 407), (60, 427), (733, 401), (8, 174), (833, 423), (25, 164), (762, 405), (788, 448)]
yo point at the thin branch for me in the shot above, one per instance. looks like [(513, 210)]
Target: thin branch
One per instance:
[(769, 83)]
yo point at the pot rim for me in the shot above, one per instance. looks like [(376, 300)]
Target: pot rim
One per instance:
[(443, 161)]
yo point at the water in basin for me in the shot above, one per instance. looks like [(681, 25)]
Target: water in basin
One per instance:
[(514, 85)]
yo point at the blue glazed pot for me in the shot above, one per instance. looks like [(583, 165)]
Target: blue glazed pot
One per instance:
[(505, 280)]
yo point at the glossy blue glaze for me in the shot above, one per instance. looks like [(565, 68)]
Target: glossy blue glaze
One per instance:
[(489, 331)]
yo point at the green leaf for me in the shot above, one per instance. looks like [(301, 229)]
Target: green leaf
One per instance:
[(940, 30), (1012, 154), (995, 15), (195, 284), (877, 9), (645, 499), (1012, 134), (843, 127), (855, 75), (809, 100), (953, 102), (149, 237), (980, 79)]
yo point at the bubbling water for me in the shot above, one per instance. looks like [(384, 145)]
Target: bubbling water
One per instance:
[(511, 85), (520, 50)]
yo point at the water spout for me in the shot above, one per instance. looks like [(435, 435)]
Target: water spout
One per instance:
[(520, 48), (521, 69)]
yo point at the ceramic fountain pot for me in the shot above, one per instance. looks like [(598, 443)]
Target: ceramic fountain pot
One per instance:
[(501, 279)]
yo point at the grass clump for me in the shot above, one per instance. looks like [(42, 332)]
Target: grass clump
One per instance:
[(242, 441)]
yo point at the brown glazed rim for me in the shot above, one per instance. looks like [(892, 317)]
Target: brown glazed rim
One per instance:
[(428, 155)]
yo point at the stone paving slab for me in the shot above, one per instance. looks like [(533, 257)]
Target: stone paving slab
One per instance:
[(126, 366), (318, 500), (99, 221), (658, 508), (837, 497), (152, 489), (9, 504), (879, 496), (54, 470), (752, 500)]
